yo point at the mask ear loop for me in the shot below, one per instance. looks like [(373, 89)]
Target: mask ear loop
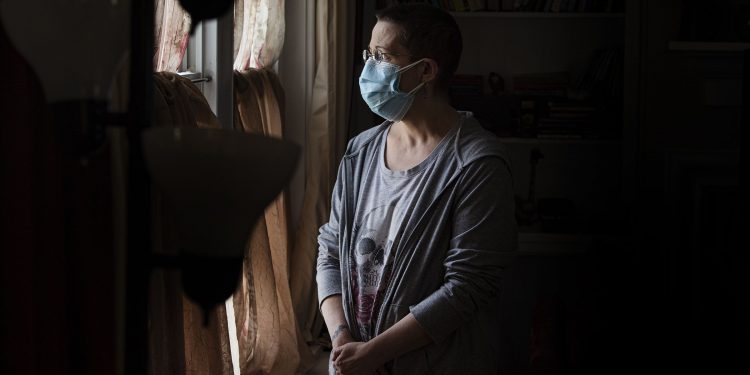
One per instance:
[(419, 86), (409, 66)]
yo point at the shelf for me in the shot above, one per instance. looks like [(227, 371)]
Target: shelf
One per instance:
[(535, 15), (731, 47), (535, 141)]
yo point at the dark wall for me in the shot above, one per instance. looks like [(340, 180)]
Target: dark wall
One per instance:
[(688, 278)]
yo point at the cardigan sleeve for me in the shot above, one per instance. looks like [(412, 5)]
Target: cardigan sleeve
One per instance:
[(482, 243), (328, 275)]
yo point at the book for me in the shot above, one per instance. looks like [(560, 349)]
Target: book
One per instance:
[(539, 5), (564, 5), (548, 5), (478, 5), (559, 136), (556, 6), (466, 85), (494, 5), (582, 5), (572, 6), (541, 84)]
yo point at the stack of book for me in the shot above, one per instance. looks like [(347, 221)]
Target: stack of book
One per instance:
[(567, 119), (466, 85), (558, 117), (541, 84)]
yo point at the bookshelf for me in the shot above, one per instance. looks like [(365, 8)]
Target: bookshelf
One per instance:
[(585, 170)]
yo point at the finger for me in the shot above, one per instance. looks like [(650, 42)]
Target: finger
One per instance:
[(335, 354)]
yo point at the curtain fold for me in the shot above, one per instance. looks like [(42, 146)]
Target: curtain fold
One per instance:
[(258, 33), (267, 331), (171, 29), (324, 145), (178, 341)]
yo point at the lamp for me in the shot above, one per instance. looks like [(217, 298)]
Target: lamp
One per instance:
[(218, 183), (201, 10)]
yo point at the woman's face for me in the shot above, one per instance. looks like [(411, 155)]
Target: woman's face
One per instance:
[(385, 38)]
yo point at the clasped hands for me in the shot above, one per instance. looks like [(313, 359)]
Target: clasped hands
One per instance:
[(355, 358)]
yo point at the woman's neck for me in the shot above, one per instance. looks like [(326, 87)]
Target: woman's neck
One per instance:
[(427, 121)]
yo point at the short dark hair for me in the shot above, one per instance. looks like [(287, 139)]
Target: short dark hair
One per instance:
[(428, 31)]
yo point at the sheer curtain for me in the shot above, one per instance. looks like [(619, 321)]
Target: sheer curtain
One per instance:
[(268, 336), (171, 29), (266, 327), (258, 33), (277, 317), (326, 137)]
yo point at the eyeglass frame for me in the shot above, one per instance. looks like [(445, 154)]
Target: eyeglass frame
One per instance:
[(378, 55)]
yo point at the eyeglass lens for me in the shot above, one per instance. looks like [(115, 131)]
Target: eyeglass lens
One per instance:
[(377, 55)]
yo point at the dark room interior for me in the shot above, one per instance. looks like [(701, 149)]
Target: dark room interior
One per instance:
[(168, 167)]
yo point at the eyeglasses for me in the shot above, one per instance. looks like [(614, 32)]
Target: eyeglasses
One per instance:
[(378, 55)]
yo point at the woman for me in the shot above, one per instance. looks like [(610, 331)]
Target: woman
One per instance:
[(422, 218)]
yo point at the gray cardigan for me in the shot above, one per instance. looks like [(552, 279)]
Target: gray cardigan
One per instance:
[(449, 265)]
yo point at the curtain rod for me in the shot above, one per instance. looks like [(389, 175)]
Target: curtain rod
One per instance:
[(195, 77)]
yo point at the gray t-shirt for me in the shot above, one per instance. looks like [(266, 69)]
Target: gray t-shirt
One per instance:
[(385, 203)]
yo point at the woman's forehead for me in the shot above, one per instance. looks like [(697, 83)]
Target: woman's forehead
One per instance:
[(385, 36)]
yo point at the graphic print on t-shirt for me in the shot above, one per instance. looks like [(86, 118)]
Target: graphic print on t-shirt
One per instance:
[(373, 244)]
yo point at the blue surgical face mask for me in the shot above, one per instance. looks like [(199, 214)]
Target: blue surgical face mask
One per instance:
[(378, 84)]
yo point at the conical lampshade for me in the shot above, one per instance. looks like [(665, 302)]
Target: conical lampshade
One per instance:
[(218, 183)]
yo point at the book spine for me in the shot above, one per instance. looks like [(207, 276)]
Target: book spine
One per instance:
[(571, 6), (494, 5), (563, 5), (582, 4)]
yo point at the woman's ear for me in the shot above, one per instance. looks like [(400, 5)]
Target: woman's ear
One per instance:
[(429, 77), (430, 71)]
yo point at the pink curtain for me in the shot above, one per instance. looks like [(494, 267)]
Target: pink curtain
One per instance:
[(171, 28), (258, 33)]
